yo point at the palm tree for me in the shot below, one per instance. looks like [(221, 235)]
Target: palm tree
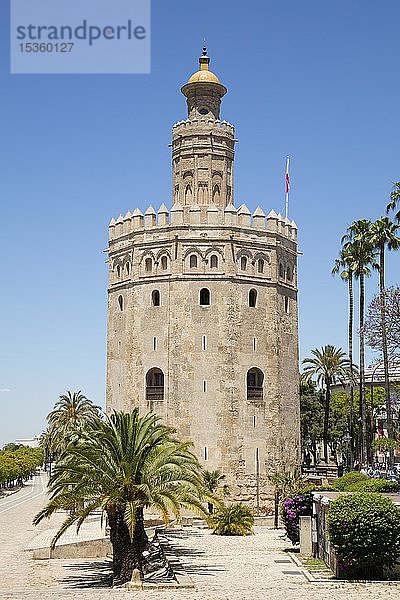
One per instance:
[(236, 519), (343, 264), (395, 200), (48, 444), (212, 480), (71, 413), (328, 366), (384, 235), (122, 465), (361, 253)]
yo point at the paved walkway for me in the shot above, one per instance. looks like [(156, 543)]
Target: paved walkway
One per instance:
[(223, 568)]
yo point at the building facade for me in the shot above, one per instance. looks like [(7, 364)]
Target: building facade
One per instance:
[(202, 310)]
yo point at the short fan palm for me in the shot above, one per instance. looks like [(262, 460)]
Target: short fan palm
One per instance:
[(236, 519), (121, 465)]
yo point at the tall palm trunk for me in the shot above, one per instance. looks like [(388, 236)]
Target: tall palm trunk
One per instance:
[(389, 416), (363, 412), (326, 418), (127, 552), (351, 317)]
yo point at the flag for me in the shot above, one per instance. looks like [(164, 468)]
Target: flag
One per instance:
[(287, 177)]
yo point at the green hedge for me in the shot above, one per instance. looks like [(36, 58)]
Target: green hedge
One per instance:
[(359, 482), (342, 483), (364, 529)]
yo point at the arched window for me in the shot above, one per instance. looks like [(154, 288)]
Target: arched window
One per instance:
[(188, 194), (260, 266), (118, 271), (289, 274), (193, 261), (164, 263), (155, 298), (255, 381), (154, 386), (205, 297), (214, 261), (127, 267), (286, 302), (243, 263), (121, 303), (281, 271), (148, 265), (216, 194), (253, 298)]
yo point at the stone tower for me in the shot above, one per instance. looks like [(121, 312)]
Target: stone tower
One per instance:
[(202, 311)]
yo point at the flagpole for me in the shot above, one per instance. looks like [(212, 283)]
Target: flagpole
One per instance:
[(287, 187)]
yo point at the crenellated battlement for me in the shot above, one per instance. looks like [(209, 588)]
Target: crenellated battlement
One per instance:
[(198, 216), (188, 124)]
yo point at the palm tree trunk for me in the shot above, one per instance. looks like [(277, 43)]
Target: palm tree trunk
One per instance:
[(363, 415), (140, 533), (351, 317), (389, 417), (326, 419), (127, 554)]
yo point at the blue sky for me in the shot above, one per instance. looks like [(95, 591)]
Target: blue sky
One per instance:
[(314, 79)]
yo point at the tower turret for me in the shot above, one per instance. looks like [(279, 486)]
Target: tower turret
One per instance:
[(202, 147), (204, 91)]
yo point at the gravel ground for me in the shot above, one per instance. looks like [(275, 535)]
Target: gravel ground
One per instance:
[(223, 568)]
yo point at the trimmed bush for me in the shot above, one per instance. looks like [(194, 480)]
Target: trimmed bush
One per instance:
[(342, 483), (375, 485), (236, 519), (364, 529), (359, 482)]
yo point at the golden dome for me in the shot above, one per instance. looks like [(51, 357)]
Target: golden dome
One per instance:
[(204, 75)]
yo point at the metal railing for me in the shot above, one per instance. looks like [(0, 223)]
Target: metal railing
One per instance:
[(154, 393), (254, 393)]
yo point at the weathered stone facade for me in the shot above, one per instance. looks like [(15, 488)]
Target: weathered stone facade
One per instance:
[(202, 316)]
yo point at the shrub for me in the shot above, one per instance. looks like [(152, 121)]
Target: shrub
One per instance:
[(293, 508), (342, 483), (364, 528), (359, 482), (236, 519), (375, 485)]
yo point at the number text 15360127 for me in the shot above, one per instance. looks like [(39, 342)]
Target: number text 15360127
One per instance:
[(46, 47)]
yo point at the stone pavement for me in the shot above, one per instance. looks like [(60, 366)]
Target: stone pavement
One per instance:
[(223, 568)]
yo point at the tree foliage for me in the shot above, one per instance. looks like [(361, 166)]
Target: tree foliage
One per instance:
[(328, 366), (395, 201), (311, 417), (68, 419), (373, 323), (19, 464)]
